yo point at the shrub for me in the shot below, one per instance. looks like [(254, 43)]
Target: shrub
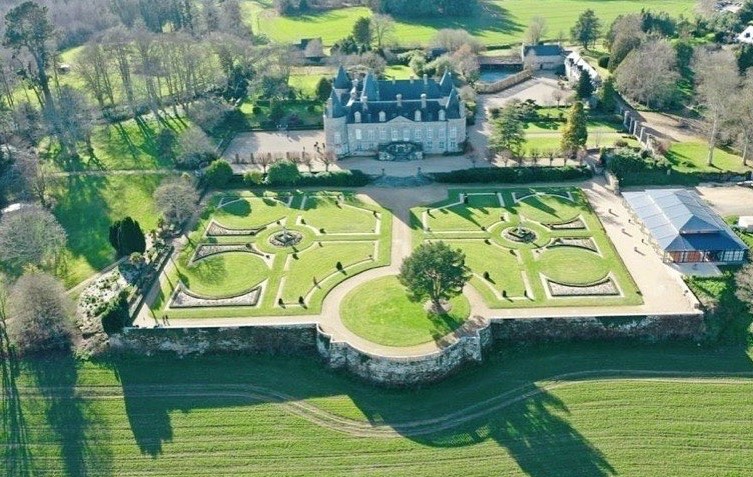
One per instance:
[(515, 175), (126, 237), (283, 173), (253, 178), (604, 61), (218, 174), (116, 316)]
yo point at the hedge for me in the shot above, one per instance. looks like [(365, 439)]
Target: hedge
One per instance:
[(354, 178), (514, 175)]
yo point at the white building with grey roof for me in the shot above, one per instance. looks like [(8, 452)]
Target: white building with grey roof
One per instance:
[(363, 115)]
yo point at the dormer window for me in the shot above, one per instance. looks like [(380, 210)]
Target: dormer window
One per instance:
[(357, 116), (417, 116), (441, 115), (382, 116)]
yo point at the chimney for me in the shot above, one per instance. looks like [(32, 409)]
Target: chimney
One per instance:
[(411, 79), (426, 79), (423, 101), (399, 100)]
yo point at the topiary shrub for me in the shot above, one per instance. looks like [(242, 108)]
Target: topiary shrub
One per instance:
[(283, 173), (115, 316)]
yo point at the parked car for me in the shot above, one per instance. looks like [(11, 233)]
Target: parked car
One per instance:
[(746, 184)]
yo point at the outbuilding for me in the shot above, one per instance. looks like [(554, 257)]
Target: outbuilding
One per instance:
[(684, 229)]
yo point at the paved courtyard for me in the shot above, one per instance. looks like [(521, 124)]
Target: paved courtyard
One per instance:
[(273, 142)]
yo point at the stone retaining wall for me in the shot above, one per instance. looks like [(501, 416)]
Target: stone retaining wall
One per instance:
[(469, 343)]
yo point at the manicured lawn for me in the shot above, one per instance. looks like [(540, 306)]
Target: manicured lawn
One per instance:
[(334, 227), (565, 409), (381, 311), (500, 22), (86, 206), (517, 271), (692, 157)]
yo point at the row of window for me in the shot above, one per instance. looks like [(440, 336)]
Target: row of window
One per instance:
[(396, 134), (383, 116), (428, 145)]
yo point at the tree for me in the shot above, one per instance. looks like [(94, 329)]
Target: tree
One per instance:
[(30, 235), (575, 134), (624, 35), (194, 149), (649, 74), (362, 33), (743, 111), (218, 174), (323, 89), (608, 96), (508, 133), (165, 141), (40, 314), (744, 285), (382, 26), (587, 29), (717, 83), (453, 39), (126, 237), (283, 173), (536, 30), (436, 272), (585, 87), (176, 198)]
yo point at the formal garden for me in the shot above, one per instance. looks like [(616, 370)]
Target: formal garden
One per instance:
[(272, 253), (539, 247)]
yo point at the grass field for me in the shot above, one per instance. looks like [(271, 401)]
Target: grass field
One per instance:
[(86, 206), (334, 228), (563, 410), (500, 22), (380, 311), (692, 157), (518, 272)]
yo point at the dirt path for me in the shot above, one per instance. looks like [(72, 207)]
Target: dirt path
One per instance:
[(408, 428)]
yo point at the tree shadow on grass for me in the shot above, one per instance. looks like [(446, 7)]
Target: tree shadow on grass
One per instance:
[(16, 454)]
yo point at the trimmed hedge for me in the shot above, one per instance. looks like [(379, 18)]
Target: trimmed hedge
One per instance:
[(354, 178), (514, 175)]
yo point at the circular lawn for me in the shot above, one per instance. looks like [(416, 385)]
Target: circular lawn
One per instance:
[(573, 266), (224, 275), (381, 312)]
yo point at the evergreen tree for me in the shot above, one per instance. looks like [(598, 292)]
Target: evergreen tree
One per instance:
[(126, 237), (323, 89), (587, 29), (362, 33), (608, 95), (436, 272), (575, 134), (508, 133), (585, 87)]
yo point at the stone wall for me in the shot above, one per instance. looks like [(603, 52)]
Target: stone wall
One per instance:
[(468, 343), (282, 339), (407, 371), (648, 328)]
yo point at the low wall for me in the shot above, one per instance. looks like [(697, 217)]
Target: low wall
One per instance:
[(468, 345), (408, 371), (503, 84), (281, 339)]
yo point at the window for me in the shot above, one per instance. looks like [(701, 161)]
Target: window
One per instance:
[(382, 116), (338, 139), (357, 117), (429, 145), (417, 134), (453, 133), (359, 135), (429, 134), (441, 133), (441, 114), (372, 135), (395, 135), (417, 116), (453, 145), (406, 134), (382, 134), (441, 145)]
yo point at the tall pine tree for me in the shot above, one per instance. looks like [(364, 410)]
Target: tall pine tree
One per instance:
[(126, 237), (575, 135)]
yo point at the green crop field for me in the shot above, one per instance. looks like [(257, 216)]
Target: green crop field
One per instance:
[(565, 410), (569, 247), (340, 236), (500, 22)]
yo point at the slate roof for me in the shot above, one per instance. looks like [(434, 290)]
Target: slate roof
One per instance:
[(543, 50), (680, 221), (381, 95)]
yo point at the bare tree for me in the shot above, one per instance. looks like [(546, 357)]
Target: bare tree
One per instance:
[(328, 158), (558, 95), (744, 113), (30, 235), (649, 74), (382, 27), (264, 160), (176, 198), (717, 82), (39, 314), (536, 31), (32, 174), (95, 68)]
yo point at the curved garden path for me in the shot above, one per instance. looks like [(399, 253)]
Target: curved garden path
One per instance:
[(407, 428)]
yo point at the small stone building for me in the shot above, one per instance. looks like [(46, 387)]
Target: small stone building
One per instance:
[(542, 57), (364, 114)]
